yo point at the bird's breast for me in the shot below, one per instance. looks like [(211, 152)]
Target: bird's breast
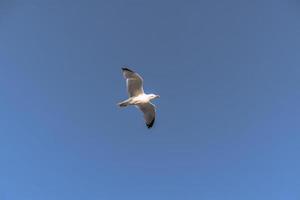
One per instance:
[(140, 99)]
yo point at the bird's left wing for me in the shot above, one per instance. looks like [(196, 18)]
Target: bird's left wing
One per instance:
[(149, 113)]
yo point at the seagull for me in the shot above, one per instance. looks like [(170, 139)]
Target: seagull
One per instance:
[(137, 97)]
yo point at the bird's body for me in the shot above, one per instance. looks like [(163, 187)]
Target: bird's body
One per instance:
[(137, 96), (137, 100), (142, 98)]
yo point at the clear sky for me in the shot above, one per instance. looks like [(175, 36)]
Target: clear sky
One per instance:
[(228, 117)]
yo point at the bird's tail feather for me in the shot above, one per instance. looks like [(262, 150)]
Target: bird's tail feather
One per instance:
[(123, 103)]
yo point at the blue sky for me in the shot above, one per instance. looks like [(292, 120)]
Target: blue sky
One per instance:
[(228, 117)]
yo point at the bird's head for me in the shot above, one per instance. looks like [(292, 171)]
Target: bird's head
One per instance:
[(154, 96)]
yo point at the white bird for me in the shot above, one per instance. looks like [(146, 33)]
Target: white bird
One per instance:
[(137, 96)]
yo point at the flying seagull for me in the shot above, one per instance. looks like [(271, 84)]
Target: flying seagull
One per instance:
[(137, 96)]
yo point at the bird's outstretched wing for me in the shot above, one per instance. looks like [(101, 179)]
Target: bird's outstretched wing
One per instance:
[(149, 113), (134, 82)]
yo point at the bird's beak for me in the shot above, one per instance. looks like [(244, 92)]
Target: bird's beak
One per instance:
[(157, 96)]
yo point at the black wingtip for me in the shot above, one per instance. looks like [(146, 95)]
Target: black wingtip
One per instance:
[(150, 124), (125, 68)]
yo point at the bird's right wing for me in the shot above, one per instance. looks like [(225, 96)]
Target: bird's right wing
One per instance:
[(134, 82), (149, 113)]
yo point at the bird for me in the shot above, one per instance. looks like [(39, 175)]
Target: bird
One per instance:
[(137, 97)]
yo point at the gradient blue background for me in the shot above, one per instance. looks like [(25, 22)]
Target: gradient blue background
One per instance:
[(228, 117)]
